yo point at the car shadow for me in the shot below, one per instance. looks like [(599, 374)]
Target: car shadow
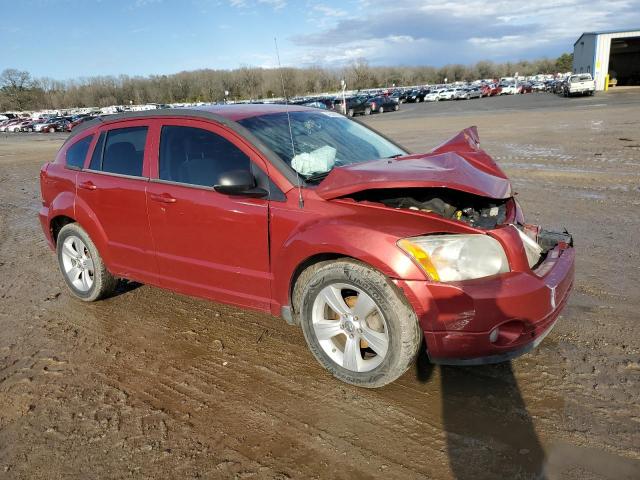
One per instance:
[(489, 432), (125, 286)]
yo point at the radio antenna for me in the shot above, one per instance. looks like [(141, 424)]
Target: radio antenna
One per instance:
[(293, 147)]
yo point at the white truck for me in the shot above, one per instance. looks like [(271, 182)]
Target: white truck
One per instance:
[(579, 84)]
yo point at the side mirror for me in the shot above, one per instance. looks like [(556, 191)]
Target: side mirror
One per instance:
[(239, 182)]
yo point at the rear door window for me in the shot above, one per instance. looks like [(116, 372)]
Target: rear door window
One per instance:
[(77, 152), (121, 151), (197, 157)]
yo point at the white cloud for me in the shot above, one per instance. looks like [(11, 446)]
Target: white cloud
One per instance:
[(329, 11), (275, 4), (451, 31)]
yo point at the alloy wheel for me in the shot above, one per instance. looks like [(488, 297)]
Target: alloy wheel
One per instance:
[(77, 263), (350, 327)]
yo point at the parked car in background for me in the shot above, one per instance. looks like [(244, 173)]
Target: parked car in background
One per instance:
[(447, 94), (558, 86), (473, 92), (525, 87), (78, 121), (30, 125), (53, 125), (383, 104), (432, 96), (490, 90), (10, 124), (459, 93), (579, 84), (399, 96), (357, 106), (40, 123), (508, 89), (17, 126), (369, 249), (416, 96)]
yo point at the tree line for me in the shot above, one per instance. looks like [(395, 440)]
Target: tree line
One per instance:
[(19, 90)]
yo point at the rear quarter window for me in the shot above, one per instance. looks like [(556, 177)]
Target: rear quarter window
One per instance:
[(121, 151), (77, 152)]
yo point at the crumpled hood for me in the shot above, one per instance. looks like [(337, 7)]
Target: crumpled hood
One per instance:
[(458, 164)]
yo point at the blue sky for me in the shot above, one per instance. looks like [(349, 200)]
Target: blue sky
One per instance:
[(66, 39)]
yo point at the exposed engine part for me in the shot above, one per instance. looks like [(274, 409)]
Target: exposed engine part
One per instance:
[(479, 212), (538, 242), (546, 239)]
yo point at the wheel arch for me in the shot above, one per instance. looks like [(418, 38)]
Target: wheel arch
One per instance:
[(309, 262), (86, 218), (57, 223)]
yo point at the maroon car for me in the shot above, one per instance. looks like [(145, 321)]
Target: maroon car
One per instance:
[(78, 121), (308, 215), (525, 88), (490, 90)]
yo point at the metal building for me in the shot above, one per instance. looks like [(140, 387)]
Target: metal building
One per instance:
[(616, 53)]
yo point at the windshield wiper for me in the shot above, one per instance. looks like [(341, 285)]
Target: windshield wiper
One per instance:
[(396, 155), (316, 177)]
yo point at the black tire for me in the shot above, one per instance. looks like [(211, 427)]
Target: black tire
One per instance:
[(367, 111), (396, 108), (405, 335), (380, 109), (104, 283), (350, 112)]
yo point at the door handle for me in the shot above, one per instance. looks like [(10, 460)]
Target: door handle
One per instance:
[(88, 185), (163, 198)]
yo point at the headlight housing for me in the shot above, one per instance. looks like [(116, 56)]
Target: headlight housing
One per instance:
[(450, 258)]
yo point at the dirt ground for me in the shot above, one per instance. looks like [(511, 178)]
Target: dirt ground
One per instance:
[(151, 384)]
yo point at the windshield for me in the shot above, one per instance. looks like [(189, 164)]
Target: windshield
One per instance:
[(321, 140)]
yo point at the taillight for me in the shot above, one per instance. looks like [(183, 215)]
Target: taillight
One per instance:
[(373, 105)]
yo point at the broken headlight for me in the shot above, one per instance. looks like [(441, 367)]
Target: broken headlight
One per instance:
[(449, 258)]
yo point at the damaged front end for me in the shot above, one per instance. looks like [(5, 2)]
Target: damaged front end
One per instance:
[(475, 211), (456, 181)]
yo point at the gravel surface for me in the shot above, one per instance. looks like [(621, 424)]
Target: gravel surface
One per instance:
[(152, 384)]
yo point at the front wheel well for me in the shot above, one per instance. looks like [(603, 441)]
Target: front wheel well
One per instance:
[(56, 225), (320, 257)]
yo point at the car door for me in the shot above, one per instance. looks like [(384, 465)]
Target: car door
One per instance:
[(207, 243), (112, 188)]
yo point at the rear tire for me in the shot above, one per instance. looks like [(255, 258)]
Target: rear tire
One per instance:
[(350, 112), (81, 265), (367, 111), (388, 324), (380, 109)]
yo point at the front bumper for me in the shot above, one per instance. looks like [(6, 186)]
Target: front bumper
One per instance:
[(458, 318)]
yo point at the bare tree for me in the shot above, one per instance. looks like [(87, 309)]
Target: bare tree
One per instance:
[(19, 91), (16, 85)]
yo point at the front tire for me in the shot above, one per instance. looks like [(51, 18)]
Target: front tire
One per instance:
[(81, 265), (356, 323)]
